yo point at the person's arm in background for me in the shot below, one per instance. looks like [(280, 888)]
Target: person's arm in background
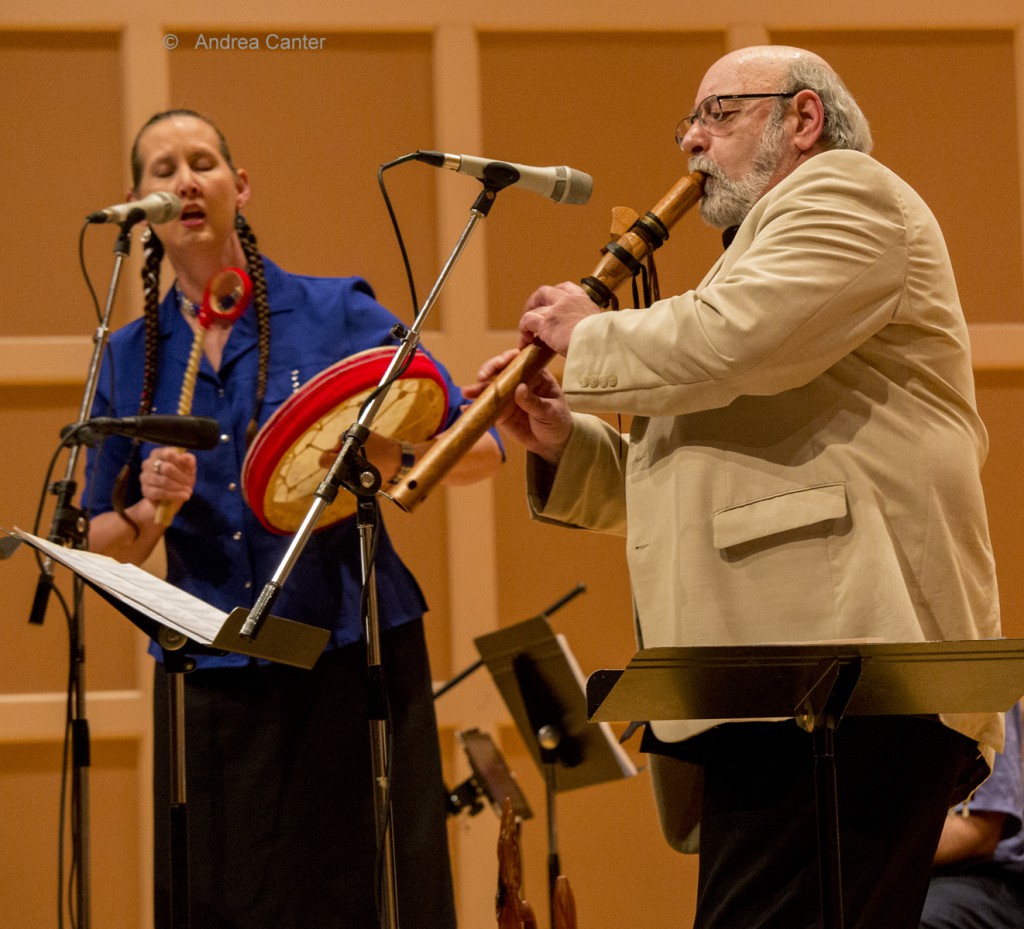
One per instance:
[(973, 830), (964, 837)]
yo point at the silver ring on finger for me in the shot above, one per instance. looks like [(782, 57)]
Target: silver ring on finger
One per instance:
[(157, 465)]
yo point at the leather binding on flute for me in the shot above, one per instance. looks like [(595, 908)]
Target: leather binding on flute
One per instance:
[(617, 265)]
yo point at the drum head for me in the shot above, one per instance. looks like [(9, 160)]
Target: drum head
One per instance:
[(282, 468)]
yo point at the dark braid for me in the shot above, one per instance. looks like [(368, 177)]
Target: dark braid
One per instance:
[(153, 251), (254, 261)]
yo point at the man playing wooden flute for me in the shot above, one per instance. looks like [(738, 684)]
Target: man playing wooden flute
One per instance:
[(803, 465)]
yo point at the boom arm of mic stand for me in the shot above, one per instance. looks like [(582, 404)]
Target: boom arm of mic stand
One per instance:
[(357, 434)]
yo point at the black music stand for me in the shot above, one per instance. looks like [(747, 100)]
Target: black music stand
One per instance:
[(542, 686), (182, 625), (817, 685)]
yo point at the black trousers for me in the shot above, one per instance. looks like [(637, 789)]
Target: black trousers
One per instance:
[(758, 840), (280, 803), (981, 895)]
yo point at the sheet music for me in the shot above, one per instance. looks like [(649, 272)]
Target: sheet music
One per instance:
[(151, 596)]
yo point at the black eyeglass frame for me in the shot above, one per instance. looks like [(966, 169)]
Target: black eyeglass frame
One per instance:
[(687, 121)]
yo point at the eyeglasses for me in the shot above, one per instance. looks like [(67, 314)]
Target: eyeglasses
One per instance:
[(714, 117)]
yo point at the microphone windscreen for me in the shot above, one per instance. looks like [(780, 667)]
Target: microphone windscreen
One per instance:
[(580, 187), (200, 432)]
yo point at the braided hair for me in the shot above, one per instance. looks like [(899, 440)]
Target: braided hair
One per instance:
[(153, 253), (254, 263)]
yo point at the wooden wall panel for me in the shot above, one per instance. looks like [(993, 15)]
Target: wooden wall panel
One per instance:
[(30, 791), (59, 95), (943, 111), (603, 103)]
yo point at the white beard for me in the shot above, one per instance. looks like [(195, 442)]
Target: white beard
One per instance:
[(727, 202)]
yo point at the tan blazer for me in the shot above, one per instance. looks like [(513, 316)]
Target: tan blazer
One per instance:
[(804, 460)]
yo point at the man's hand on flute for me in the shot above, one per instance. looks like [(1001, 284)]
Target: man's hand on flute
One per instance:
[(539, 418), (551, 315)]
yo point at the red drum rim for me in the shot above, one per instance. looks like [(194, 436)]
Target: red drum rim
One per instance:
[(281, 470)]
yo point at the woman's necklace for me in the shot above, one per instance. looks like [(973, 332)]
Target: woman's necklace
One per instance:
[(191, 309), (188, 307)]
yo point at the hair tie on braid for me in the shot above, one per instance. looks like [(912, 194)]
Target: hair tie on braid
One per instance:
[(254, 261)]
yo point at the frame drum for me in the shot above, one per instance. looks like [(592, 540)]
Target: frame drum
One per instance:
[(282, 469)]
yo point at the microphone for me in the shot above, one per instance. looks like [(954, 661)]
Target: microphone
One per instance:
[(158, 207), (181, 431), (561, 184)]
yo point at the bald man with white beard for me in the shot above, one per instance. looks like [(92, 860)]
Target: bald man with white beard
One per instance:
[(803, 465)]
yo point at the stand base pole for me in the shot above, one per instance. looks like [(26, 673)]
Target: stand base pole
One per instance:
[(827, 799), (368, 519), (382, 811), (176, 664), (554, 863)]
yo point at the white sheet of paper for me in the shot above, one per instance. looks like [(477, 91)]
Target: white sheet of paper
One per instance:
[(160, 601)]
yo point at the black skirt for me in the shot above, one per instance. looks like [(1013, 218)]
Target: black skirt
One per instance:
[(279, 794)]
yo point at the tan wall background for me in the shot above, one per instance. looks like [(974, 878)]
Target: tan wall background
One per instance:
[(581, 84)]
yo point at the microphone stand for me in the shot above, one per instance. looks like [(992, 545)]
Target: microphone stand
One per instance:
[(69, 527), (352, 470)]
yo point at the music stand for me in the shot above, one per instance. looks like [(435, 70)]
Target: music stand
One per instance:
[(181, 625), (817, 684), (542, 686)]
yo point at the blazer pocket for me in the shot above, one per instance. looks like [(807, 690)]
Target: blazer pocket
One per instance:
[(769, 516)]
